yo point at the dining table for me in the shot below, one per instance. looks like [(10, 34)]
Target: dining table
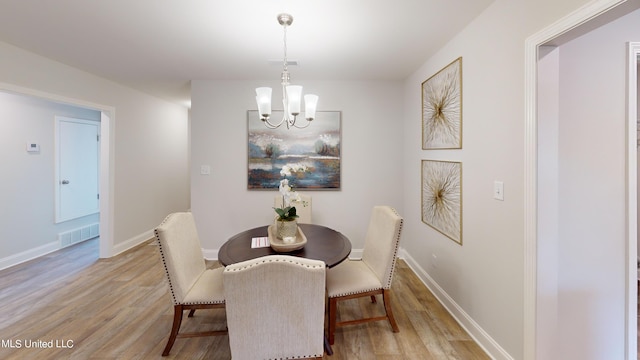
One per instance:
[(323, 243)]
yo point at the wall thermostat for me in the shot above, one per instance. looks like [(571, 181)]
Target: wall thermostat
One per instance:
[(33, 147)]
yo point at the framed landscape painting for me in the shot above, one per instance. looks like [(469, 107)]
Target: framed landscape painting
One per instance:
[(442, 197), (442, 108), (317, 147)]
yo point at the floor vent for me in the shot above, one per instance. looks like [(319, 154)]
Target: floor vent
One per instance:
[(80, 234)]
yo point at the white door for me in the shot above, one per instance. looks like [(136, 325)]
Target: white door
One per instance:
[(77, 150)]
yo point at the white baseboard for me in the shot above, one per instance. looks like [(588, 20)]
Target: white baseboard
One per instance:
[(356, 254), (65, 239), (29, 254), (210, 254), (482, 338), (133, 242)]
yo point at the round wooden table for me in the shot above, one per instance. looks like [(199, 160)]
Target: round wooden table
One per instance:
[(323, 243)]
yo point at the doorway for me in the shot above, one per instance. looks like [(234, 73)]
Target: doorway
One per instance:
[(105, 117), (585, 284)]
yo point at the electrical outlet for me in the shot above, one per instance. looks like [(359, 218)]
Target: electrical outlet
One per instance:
[(498, 190)]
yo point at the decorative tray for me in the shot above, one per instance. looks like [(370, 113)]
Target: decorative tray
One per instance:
[(281, 246)]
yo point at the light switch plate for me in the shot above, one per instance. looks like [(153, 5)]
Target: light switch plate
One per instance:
[(205, 170)]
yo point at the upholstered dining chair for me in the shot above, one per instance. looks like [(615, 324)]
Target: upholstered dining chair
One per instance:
[(303, 208), (275, 308), (191, 284), (370, 276)]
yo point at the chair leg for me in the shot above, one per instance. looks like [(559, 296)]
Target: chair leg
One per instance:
[(192, 312), (177, 320), (386, 297), (327, 346), (333, 313)]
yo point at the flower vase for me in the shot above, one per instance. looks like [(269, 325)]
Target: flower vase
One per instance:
[(286, 230)]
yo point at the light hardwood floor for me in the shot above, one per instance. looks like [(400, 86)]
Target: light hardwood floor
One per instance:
[(119, 308)]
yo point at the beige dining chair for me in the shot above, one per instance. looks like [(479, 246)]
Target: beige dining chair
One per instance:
[(275, 308), (371, 275), (303, 208), (191, 284)]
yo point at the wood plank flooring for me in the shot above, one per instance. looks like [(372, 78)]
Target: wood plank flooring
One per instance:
[(119, 308)]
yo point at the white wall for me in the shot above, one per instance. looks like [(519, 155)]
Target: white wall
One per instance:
[(592, 153), (27, 186), (481, 281), (371, 148), (149, 140)]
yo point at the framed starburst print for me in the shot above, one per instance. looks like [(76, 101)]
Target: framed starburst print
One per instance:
[(442, 197), (442, 108)]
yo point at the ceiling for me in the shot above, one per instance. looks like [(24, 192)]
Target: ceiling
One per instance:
[(158, 46)]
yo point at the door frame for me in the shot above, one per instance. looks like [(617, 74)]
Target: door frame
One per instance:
[(583, 15), (107, 157), (633, 61)]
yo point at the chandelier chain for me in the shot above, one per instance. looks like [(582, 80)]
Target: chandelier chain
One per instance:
[(285, 47)]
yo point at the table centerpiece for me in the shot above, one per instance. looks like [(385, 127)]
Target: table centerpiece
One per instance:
[(286, 223)]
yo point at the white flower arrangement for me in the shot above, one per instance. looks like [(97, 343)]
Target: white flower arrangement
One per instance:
[(288, 212)]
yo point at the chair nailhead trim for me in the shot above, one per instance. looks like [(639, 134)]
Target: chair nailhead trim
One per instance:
[(395, 250), (354, 292), (164, 263), (265, 260)]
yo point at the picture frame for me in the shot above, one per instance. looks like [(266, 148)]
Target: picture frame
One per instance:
[(318, 147), (442, 108), (442, 197)]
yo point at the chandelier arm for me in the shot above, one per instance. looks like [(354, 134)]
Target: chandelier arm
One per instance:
[(270, 125), (302, 127)]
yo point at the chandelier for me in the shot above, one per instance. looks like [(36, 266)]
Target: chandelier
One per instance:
[(291, 94)]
